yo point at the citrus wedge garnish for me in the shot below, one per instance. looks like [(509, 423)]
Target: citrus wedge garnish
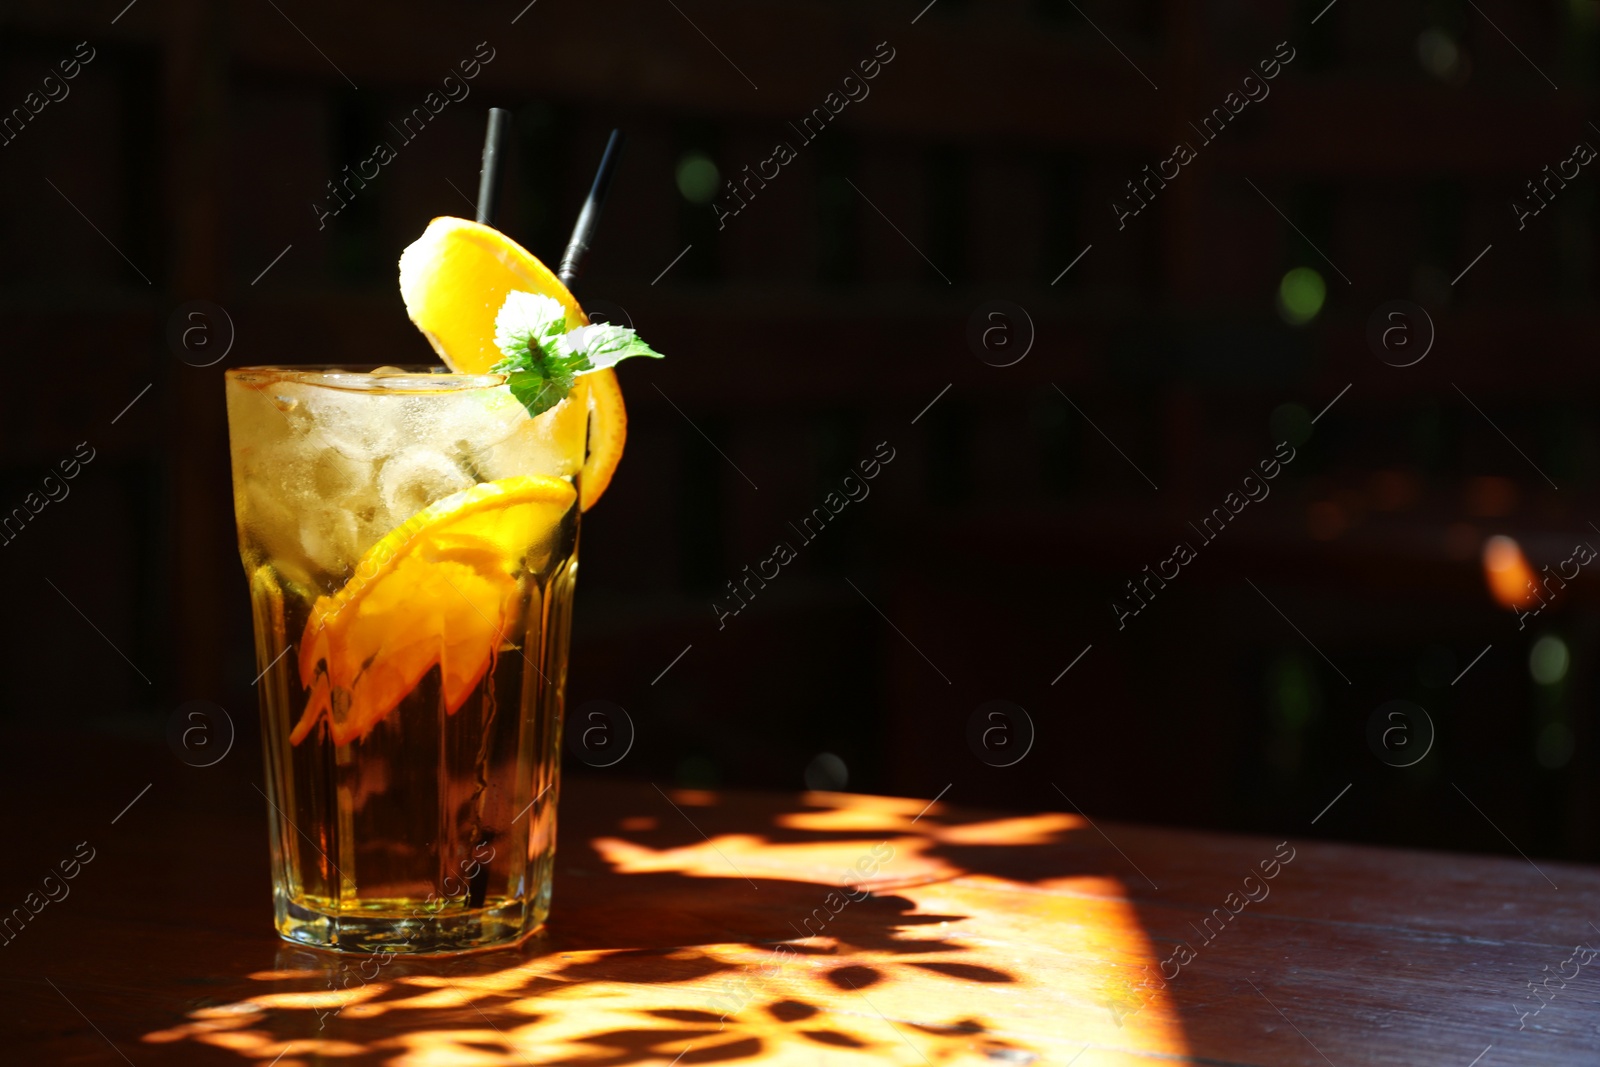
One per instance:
[(455, 277), (441, 588)]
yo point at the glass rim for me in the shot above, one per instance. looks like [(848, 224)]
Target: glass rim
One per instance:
[(336, 375)]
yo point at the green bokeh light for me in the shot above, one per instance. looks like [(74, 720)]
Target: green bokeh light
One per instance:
[(1300, 295), (1549, 659), (698, 178)]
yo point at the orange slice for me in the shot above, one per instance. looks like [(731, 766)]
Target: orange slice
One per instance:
[(608, 432), (454, 279), (441, 588)]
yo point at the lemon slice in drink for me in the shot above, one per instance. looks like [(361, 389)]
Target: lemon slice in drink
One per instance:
[(454, 279), (441, 588)]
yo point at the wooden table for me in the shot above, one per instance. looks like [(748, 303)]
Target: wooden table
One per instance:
[(725, 929)]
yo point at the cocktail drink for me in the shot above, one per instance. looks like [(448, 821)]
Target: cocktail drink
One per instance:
[(410, 537), (411, 546)]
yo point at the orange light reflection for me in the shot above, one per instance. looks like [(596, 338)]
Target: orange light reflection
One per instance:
[(1510, 579)]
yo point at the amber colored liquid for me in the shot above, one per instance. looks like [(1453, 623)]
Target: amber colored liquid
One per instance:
[(435, 831)]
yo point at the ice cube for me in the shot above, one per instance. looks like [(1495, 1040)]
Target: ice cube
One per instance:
[(357, 426), (415, 477), (331, 539), (551, 444), (464, 423), (334, 475)]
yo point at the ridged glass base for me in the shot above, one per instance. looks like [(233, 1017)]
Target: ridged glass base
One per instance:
[(411, 931)]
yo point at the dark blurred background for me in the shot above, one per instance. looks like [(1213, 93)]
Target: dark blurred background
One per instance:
[(847, 304)]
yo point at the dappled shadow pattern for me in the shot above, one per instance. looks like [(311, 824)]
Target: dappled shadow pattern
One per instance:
[(859, 928)]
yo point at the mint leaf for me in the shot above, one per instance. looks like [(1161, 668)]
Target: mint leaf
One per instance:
[(542, 359), (536, 392), (605, 345), (526, 331), (528, 321)]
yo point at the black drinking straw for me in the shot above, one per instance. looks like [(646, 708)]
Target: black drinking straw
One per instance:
[(589, 217), (494, 139)]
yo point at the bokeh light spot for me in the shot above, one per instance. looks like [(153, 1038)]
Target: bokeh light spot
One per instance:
[(698, 177), (1507, 572), (1548, 660), (1301, 295)]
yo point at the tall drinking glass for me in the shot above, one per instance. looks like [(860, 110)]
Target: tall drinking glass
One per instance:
[(410, 539)]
